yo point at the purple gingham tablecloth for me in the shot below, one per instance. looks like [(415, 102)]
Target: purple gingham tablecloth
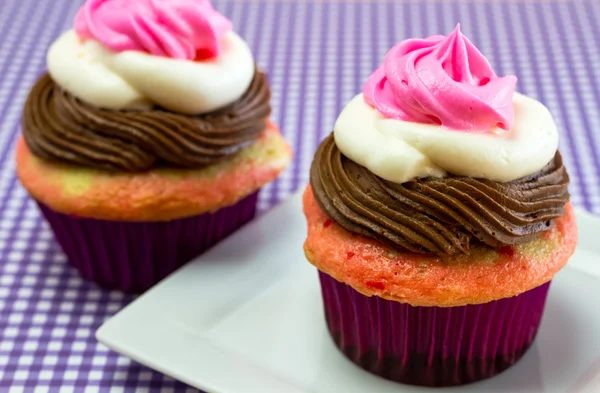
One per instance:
[(318, 55)]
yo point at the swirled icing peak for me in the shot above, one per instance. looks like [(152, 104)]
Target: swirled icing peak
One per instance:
[(442, 80), (179, 29)]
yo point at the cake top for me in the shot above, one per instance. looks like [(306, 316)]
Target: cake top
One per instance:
[(138, 84), (439, 155)]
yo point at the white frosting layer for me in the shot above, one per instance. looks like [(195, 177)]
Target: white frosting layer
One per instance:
[(129, 79), (400, 151)]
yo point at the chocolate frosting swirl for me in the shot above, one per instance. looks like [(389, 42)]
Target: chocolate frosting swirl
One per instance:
[(59, 127), (441, 216)]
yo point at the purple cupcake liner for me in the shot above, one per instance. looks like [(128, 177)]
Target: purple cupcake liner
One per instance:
[(431, 346), (133, 256)]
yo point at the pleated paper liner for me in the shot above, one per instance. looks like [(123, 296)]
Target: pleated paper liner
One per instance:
[(431, 346), (133, 256)]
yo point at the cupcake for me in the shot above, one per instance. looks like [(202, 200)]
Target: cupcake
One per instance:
[(438, 213), (148, 139)]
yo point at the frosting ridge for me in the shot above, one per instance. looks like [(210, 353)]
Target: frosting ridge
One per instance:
[(59, 127), (401, 151), (436, 107), (441, 216), (133, 79), (179, 29), (444, 81)]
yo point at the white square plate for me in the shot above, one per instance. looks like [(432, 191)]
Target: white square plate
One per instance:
[(247, 317)]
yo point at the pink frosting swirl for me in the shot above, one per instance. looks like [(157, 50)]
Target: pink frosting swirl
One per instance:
[(180, 29), (442, 80)]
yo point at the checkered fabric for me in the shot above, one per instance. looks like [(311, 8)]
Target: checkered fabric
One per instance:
[(318, 54)]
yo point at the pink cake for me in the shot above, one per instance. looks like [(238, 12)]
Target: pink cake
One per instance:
[(148, 139), (438, 213)]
